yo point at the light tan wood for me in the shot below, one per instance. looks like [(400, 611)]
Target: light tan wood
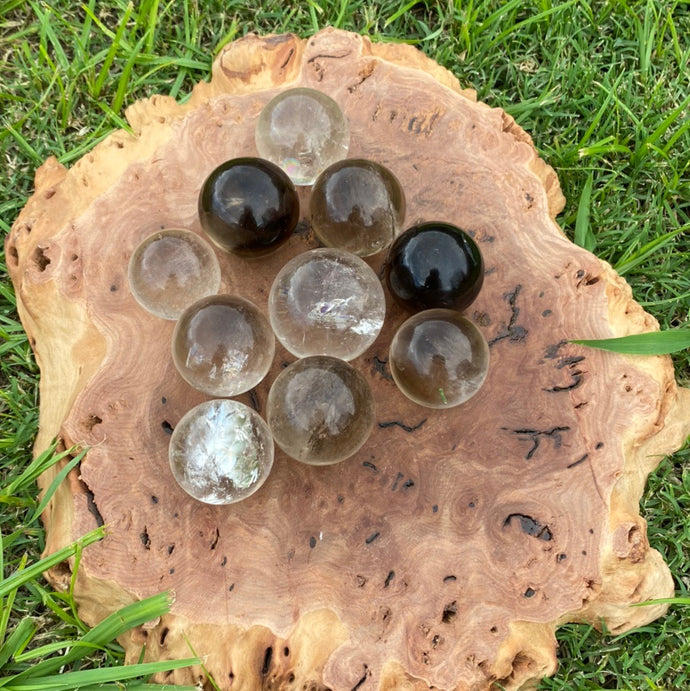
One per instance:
[(450, 548)]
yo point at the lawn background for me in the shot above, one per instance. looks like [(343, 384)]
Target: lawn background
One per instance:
[(602, 87)]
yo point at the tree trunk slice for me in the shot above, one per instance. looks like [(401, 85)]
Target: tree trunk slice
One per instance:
[(448, 550)]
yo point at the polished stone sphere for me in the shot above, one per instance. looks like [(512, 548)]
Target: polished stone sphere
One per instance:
[(220, 452), (248, 207), (358, 206), (326, 302), (434, 265), (171, 269), (320, 410), (223, 345), (303, 131), (438, 358)]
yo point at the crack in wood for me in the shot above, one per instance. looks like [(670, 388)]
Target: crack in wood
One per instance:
[(381, 367), (535, 436), (574, 464), (512, 331), (363, 678), (397, 423)]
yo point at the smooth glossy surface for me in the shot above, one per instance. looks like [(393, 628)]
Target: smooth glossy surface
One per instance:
[(326, 302), (438, 358), (434, 265), (320, 410), (358, 206), (303, 131), (220, 452), (248, 206), (223, 345), (170, 270)]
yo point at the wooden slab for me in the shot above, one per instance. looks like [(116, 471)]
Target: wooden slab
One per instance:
[(449, 549)]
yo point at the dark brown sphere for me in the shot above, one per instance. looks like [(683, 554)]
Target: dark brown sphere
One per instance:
[(434, 265), (248, 206)]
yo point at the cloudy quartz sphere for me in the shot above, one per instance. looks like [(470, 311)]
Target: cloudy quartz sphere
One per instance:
[(302, 131), (170, 270), (357, 205), (320, 410), (220, 452), (438, 358), (223, 345), (326, 302)]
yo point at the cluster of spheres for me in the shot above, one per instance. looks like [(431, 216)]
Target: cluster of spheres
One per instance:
[(326, 306)]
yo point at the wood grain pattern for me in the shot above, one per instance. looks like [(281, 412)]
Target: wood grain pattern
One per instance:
[(448, 550)]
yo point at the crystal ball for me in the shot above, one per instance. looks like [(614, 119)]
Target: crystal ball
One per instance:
[(221, 451), (303, 131), (171, 269), (223, 345), (438, 358), (320, 410), (434, 265), (358, 206), (248, 207), (326, 302)]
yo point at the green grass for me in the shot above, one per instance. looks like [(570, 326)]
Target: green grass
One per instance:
[(601, 86)]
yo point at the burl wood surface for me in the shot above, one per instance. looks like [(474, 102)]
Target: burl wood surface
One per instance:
[(449, 549)]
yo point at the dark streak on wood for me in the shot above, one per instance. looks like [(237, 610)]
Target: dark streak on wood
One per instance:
[(578, 461), (512, 331), (535, 436), (407, 428)]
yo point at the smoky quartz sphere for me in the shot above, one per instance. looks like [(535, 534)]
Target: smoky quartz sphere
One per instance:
[(320, 410), (220, 452), (171, 269), (358, 206), (302, 131), (326, 302), (248, 206), (434, 265), (438, 358), (223, 345)]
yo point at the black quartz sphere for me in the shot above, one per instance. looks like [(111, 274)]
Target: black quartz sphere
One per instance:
[(248, 206), (434, 265)]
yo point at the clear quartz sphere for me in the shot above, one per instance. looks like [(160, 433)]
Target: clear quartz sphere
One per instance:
[(326, 302), (320, 410), (302, 131), (221, 451), (171, 269), (223, 345), (438, 358), (358, 206)]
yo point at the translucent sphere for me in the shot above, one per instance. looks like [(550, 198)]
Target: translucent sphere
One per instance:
[(326, 302), (438, 358), (320, 410), (358, 206), (434, 265), (220, 452), (170, 270), (223, 345), (303, 131), (248, 206)]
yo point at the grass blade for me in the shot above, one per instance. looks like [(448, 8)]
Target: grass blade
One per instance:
[(18, 578), (584, 237), (17, 640), (655, 343), (56, 483), (68, 681)]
